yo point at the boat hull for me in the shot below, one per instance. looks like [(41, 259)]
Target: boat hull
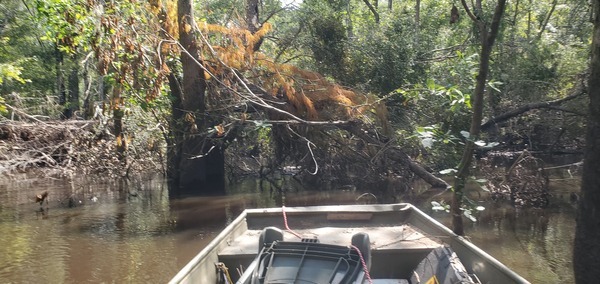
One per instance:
[(401, 236)]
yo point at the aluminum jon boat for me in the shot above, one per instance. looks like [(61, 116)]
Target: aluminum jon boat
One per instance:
[(354, 244)]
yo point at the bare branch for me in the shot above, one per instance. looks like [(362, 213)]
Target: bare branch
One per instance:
[(545, 23), (373, 10), (469, 13), (579, 90)]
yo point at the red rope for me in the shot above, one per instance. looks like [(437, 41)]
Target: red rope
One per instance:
[(286, 223), (364, 264)]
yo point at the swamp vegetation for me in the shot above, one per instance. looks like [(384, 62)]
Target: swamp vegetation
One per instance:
[(337, 94)]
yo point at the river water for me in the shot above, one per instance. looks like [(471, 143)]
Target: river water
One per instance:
[(107, 232)]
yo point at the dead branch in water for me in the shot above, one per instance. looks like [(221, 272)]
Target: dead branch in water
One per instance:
[(60, 147)]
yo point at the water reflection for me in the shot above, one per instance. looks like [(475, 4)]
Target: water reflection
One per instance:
[(116, 232), (536, 243)]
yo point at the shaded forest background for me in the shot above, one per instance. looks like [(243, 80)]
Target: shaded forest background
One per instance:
[(336, 93)]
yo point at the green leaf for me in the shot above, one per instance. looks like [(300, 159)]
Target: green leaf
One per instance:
[(430, 84), (2, 106)]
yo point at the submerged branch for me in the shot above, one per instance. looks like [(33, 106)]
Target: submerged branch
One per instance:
[(394, 153)]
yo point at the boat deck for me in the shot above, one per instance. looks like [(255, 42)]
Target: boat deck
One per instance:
[(382, 238)]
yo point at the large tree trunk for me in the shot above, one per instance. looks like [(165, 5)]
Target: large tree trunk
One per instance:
[(116, 105), (200, 164), (417, 20), (252, 21), (73, 94), (175, 137), (487, 42), (586, 251), (88, 94), (61, 89)]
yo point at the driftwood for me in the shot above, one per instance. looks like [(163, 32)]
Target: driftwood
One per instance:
[(577, 91), (61, 147), (525, 183)]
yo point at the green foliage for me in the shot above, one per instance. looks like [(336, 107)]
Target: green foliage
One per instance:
[(68, 23), (2, 106), (25, 61), (469, 210), (440, 148), (328, 45), (382, 58), (9, 72)]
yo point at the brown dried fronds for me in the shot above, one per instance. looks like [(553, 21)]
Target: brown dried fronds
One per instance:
[(318, 97), (309, 95)]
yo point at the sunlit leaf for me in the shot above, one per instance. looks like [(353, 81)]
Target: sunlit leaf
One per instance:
[(468, 214), (430, 84), (494, 85), (438, 208), (220, 130), (427, 142), (261, 124), (448, 171)]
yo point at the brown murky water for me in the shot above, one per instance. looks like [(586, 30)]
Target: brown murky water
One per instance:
[(114, 233)]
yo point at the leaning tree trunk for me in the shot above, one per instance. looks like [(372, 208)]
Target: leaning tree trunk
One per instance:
[(487, 42), (586, 251), (200, 162)]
